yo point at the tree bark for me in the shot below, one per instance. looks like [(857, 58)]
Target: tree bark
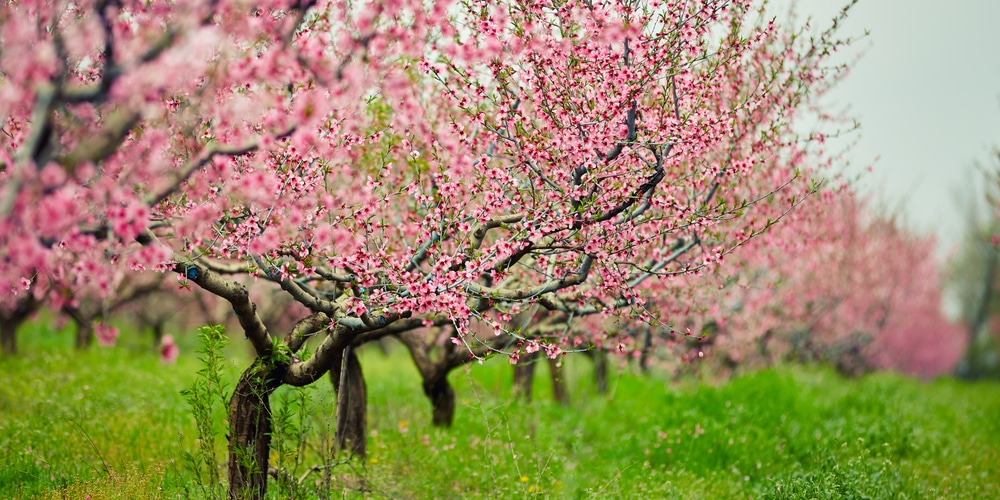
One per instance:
[(647, 350), (8, 336), (524, 376), (600, 357), (84, 322), (23, 309), (250, 433), (158, 330), (352, 403), (559, 393), (84, 334), (442, 397), (434, 375)]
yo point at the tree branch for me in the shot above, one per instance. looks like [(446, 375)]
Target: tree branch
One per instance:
[(238, 296), (180, 176)]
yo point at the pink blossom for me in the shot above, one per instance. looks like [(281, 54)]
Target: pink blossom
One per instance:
[(106, 335), (168, 349)]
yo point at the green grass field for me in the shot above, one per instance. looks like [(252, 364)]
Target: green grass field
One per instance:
[(111, 423)]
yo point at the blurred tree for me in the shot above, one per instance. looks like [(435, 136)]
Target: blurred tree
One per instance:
[(973, 279)]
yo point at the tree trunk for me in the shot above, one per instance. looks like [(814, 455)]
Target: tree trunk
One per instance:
[(442, 397), (84, 334), (250, 434), (8, 336), (158, 329), (84, 325), (600, 357), (352, 403), (524, 376), (764, 347), (972, 366), (23, 309), (559, 393), (647, 350), (434, 374)]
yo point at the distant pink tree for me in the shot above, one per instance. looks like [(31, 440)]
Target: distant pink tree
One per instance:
[(395, 165), (854, 288), (90, 309)]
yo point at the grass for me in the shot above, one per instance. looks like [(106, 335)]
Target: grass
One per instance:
[(111, 423)]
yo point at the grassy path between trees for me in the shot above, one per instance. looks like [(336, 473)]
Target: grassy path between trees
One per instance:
[(112, 423)]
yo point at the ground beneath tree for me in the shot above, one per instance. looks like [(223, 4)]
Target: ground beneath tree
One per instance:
[(111, 421)]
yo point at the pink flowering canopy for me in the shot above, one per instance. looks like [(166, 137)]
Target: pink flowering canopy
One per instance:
[(850, 277), (399, 163)]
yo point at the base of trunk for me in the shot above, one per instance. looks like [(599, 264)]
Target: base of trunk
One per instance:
[(84, 335), (8, 338), (559, 393), (250, 434), (442, 397), (601, 371), (352, 403), (524, 376)]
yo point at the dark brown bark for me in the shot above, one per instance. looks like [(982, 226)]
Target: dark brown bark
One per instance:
[(647, 350), (352, 403), (8, 336), (434, 374), (84, 321), (559, 393), (158, 331), (600, 358), (442, 397), (250, 433), (524, 376), (25, 307), (84, 334)]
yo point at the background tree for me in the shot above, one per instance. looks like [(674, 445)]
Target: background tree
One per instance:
[(90, 312), (854, 289), (973, 280)]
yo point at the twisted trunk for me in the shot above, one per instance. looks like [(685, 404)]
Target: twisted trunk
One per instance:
[(250, 433), (434, 375), (352, 402), (442, 397)]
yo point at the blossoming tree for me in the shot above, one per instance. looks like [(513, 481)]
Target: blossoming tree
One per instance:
[(853, 288), (972, 278), (394, 164)]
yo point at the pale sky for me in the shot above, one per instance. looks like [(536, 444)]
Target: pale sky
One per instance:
[(927, 94)]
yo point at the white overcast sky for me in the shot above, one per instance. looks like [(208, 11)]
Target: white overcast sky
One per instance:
[(927, 94)]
